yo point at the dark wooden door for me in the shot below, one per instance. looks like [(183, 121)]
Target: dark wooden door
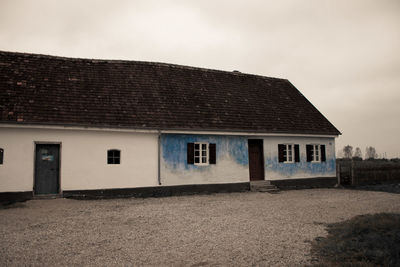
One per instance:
[(47, 169), (256, 159)]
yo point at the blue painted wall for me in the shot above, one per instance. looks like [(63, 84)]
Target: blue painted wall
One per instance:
[(275, 170), (174, 149), (288, 170), (232, 159)]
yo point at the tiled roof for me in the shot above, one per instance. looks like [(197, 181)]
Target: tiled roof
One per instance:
[(40, 89)]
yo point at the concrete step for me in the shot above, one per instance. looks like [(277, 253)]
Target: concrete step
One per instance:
[(259, 182), (263, 186), (272, 191)]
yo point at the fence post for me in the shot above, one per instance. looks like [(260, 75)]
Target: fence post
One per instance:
[(338, 173), (353, 182)]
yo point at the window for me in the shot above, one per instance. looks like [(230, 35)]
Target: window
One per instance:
[(1, 155), (200, 153), (113, 156), (316, 153), (288, 153)]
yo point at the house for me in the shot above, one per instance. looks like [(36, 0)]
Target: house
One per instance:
[(98, 127)]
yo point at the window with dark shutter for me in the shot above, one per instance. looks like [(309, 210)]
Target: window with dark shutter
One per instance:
[(309, 152), (323, 153), (213, 154), (296, 153), (1, 155), (113, 156), (316, 153), (287, 153), (190, 153), (201, 153)]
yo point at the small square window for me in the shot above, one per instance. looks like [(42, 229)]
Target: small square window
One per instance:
[(113, 156)]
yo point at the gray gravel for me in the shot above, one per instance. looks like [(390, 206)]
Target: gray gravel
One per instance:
[(221, 229)]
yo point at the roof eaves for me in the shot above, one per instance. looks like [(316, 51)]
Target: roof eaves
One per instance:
[(103, 126)]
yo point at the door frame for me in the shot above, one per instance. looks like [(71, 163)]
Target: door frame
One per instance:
[(35, 143), (261, 140)]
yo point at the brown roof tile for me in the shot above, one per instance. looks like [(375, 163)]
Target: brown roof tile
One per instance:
[(40, 89)]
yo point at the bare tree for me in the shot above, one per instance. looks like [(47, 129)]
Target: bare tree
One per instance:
[(370, 153), (348, 151), (358, 153)]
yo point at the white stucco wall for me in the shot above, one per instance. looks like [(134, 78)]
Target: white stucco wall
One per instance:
[(83, 158)]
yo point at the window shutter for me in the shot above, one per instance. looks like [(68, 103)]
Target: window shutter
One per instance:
[(323, 153), (190, 153), (109, 157), (296, 153), (281, 148), (309, 152), (213, 154)]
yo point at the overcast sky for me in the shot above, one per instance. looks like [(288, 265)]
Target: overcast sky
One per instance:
[(344, 56)]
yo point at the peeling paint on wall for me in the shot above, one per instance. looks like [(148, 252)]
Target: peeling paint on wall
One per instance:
[(233, 163), (275, 170), (231, 157), (174, 148), (289, 170)]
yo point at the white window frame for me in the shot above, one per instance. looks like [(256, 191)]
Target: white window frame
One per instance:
[(316, 153), (285, 153), (201, 156)]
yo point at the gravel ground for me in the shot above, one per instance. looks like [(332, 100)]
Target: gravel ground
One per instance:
[(219, 229)]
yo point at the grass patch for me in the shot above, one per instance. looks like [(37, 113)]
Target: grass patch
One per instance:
[(365, 240)]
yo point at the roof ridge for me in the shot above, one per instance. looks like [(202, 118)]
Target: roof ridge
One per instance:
[(143, 62)]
